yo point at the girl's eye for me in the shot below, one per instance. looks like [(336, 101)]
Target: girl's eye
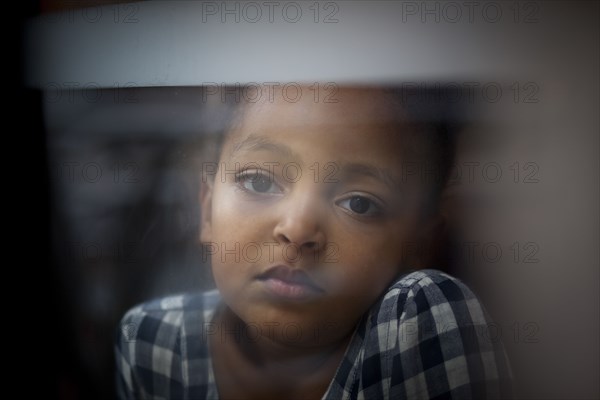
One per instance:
[(257, 182), (360, 205)]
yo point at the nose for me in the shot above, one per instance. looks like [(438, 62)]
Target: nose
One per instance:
[(301, 223)]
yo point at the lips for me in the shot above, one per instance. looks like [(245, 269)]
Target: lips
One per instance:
[(289, 283)]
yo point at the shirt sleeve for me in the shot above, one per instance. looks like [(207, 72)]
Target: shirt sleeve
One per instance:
[(447, 346), (148, 350), (126, 383), (430, 339)]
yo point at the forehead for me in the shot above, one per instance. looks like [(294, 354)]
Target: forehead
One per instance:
[(366, 122), (344, 107)]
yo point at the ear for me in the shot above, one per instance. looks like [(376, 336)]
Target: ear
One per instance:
[(206, 194)]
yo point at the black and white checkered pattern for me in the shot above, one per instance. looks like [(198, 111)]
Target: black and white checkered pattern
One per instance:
[(426, 338)]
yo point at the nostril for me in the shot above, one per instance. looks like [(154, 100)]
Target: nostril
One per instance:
[(310, 245), (298, 234), (285, 239)]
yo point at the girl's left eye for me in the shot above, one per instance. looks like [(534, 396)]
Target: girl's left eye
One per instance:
[(257, 182), (360, 205)]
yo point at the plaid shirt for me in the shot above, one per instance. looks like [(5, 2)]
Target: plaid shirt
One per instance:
[(426, 337)]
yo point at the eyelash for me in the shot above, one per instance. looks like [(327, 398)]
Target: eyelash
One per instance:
[(373, 203), (251, 176)]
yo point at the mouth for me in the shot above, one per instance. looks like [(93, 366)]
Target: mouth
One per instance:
[(288, 283)]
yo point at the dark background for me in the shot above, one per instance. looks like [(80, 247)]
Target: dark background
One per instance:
[(143, 222)]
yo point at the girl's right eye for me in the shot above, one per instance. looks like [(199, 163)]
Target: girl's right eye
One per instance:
[(360, 205), (257, 182)]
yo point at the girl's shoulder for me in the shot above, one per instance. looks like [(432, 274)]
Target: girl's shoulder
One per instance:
[(168, 313), (423, 290), (162, 346), (427, 336)]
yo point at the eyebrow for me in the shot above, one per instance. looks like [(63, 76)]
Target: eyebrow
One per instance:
[(253, 143), (371, 171)]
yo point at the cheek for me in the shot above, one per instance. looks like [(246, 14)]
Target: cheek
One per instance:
[(230, 276), (233, 215), (223, 206), (228, 218), (233, 228), (367, 267), (380, 246)]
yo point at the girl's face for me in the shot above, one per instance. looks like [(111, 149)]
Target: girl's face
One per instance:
[(309, 213)]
